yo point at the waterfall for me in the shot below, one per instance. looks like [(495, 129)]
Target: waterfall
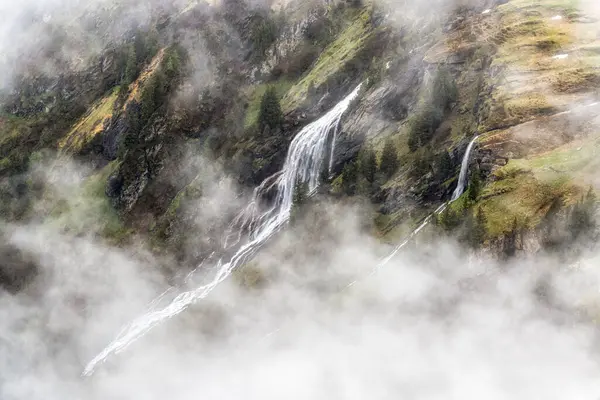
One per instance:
[(464, 170), (460, 188), (304, 163)]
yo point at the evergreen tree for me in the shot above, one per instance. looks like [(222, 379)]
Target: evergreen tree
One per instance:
[(131, 69), (474, 186), (479, 228), (172, 64), (264, 33), (324, 174), (582, 219), (139, 44), (131, 138), (444, 165), (509, 245), (151, 44), (299, 197), (368, 164), (350, 178), (300, 193), (389, 163), (270, 110), (413, 140), (430, 112), (148, 99)]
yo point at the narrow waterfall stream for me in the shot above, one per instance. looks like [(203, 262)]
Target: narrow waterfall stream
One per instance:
[(464, 172), (460, 188), (304, 162)]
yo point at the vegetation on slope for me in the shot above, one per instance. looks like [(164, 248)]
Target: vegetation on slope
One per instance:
[(333, 59)]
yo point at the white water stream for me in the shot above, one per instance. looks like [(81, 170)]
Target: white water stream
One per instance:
[(464, 172), (460, 189), (304, 163)]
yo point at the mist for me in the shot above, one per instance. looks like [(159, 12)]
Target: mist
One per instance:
[(436, 321), (432, 323)]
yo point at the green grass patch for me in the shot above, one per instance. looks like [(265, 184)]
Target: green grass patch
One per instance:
[(522, 197), (528, 35), (524, 188), (576, 79), (532, 104), (577, 159), (91, 124), (346, 46)]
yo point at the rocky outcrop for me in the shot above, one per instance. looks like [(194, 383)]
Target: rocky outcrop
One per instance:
[(285, 54), (380, 112), (38, 92)]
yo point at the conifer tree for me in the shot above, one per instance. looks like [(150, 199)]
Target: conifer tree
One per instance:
[(300, 193), (444, 164), (270, 110), (148, 99), (368, 164), (509, 245), (299, 197), (131, 69), (152, 45), (389, 163), (324, 174), (350, 178), (474, 186), (172, 64), (582, 217), (479, 228)]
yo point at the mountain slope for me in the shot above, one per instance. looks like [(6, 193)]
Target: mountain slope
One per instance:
[(517, 73)]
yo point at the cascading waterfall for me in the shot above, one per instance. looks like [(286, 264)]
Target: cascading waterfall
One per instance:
[(464, 170), (304, 163), (460, 188)]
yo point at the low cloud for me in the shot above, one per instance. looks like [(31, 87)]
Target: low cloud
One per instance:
[(433, 322)]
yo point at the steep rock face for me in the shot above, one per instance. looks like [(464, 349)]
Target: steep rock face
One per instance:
[(510, 88), (381, 112), (139, 166), (37, 92), (286, 53)]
